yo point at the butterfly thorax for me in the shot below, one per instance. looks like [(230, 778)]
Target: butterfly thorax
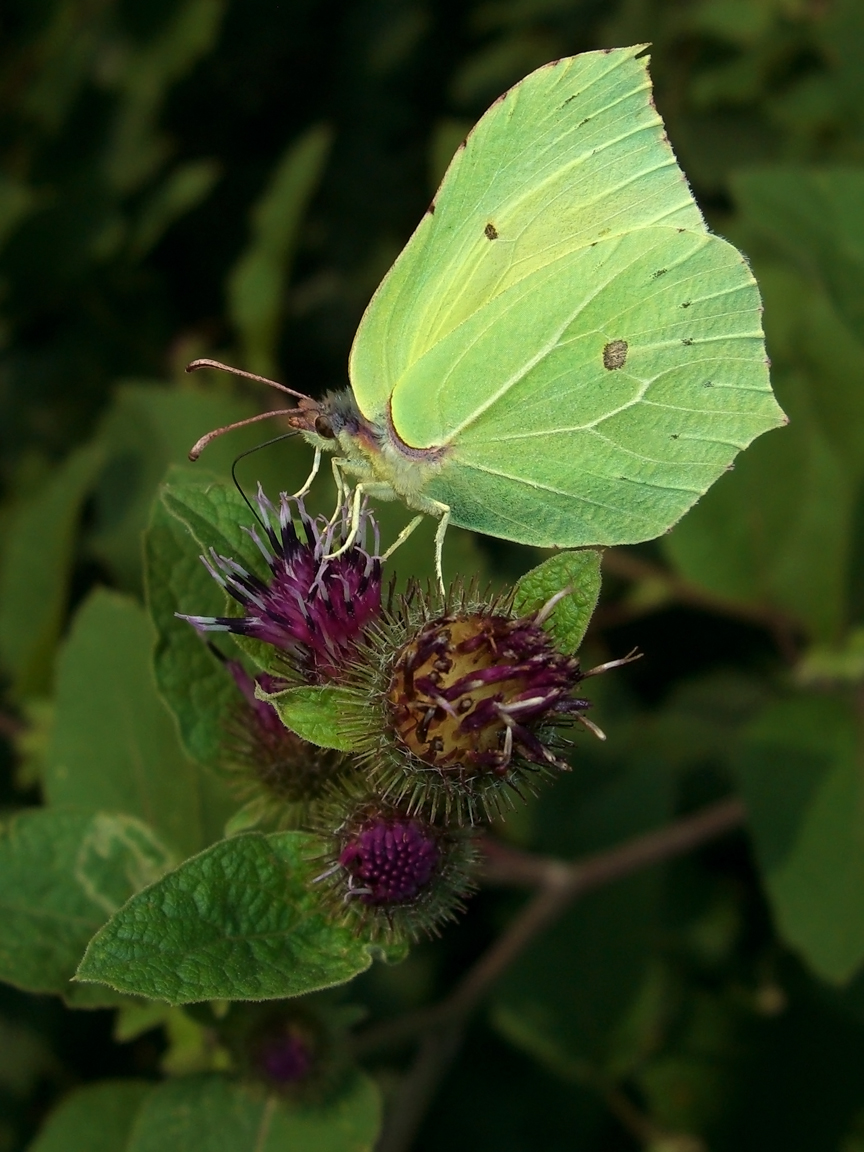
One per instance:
[(370, 449)]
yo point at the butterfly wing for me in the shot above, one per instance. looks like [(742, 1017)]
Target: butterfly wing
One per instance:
[(595, 400), (573, 153)]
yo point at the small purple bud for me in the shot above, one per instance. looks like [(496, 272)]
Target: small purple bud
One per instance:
[(290, 769), (286, 1059), (386, 872), (391, 861)]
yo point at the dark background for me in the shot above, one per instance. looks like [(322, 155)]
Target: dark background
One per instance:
[(198, 177)]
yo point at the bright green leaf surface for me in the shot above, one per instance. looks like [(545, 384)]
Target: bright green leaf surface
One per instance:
[(38, 552), (96, 1118), (256, 284), (213, 1114), (197, 688), (578, 571), (801, 772), (62, 874), (114, 746), (322, 715), (237, 922)]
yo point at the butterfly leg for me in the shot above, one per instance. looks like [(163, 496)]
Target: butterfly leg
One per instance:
[(402, 537), (316, 464), (356, 504), (443, 513)]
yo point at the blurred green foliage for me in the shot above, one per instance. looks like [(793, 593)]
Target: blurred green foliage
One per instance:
[(209, 177)]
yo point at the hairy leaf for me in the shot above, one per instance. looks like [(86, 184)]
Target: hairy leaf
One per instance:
[(240, 922), (62, 874), (576, 572)]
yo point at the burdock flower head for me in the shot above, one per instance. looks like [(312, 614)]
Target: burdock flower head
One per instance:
[(315, 606), (392, 873), (296, 1049), (269, 763), (473, 703)]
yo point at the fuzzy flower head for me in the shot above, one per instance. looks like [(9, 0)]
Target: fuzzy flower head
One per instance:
[(267, 759), (393, 874), (291, 1048), (468, 690), (314, 606), (473, 703), (286, 1059), (390, 860)]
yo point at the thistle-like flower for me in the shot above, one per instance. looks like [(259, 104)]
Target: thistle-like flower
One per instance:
[(315, 606), (392, 874), (285, 1059), (293, 1048), (268, 759), (472, 701)]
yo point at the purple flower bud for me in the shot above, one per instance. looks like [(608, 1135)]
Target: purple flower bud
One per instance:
[(286, 1059), (390, 873), (315, 608), (270, 755), (390, 861)]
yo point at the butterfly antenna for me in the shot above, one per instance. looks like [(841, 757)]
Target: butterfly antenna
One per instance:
[(248, 452), (198, 448), (196, 364)]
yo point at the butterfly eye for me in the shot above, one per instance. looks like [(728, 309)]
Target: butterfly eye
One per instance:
[(324, 428)]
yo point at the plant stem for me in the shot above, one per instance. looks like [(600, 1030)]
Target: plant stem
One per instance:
[(558, 884)]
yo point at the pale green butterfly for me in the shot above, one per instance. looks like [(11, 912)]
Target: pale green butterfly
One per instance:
[(562, 355)]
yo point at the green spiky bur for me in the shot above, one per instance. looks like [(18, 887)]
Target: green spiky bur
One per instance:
[(562, 355)]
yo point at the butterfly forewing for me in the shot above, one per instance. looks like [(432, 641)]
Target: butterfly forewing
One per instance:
[(597, 414), (574, 153)]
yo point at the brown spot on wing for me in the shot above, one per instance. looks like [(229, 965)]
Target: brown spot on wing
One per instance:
[(615, 354)]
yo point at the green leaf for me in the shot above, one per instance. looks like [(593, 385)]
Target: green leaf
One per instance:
[(114, 746), (96, 1118), (604, 1013), (215, 514), (238, 922), (577, 572), (800, 770), (62, 874), (36, 566), (256, 284), (324, 715), (214, 1114), (197, 687)]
